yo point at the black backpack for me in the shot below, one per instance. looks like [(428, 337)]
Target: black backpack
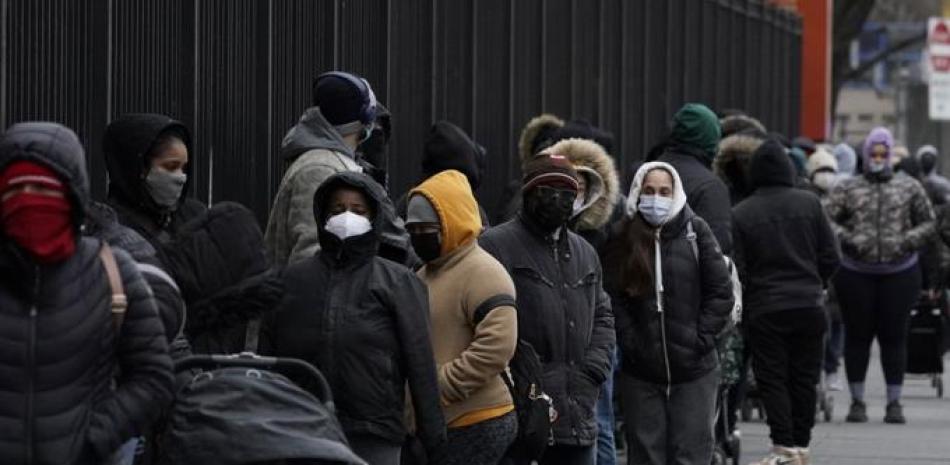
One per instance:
[(533, 407)]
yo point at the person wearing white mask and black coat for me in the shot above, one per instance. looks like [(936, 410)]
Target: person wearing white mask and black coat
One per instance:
[(672, 298), (786, 254), (149, 160), (363, 321)]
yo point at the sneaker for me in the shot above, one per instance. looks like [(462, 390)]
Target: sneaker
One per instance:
[(804, 456), (858, 412), (833, 381), (780, 456), (895, 413)]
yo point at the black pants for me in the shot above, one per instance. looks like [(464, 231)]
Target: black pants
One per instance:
[(876, 305), (787, 351)]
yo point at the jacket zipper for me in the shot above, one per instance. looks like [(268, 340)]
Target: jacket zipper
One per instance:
[(560, 283), (31, 368), (659, 309), (880, 254)]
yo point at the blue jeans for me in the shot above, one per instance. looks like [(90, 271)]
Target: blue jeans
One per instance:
[(606, 447)]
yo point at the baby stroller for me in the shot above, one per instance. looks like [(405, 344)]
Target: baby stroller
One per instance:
[(244, 409), (925, 341), (728, 445)]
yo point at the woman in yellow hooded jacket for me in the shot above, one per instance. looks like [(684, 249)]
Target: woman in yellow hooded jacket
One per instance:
[(474, 324)]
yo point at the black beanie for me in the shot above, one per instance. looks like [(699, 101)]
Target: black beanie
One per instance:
[(340, 100), (550, 170), (449, 148), (771, 166)]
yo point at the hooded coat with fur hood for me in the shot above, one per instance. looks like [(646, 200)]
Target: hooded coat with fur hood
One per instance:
[(732, 163), (599, 205), (668, 334)]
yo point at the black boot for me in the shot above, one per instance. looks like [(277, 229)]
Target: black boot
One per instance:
[(895, 413), (858, 412)]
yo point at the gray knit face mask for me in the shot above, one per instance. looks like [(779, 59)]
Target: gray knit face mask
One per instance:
[(165, 188)]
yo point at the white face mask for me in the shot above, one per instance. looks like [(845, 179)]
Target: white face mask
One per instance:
[(876, 166), (348, 224), (655, 209), (824, 180)]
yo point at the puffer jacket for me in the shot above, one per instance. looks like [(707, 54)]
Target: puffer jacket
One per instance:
[(60, 347), (564, 313), (882, 220), (676, 343), (226, 279), (125, 145), (364, 322)]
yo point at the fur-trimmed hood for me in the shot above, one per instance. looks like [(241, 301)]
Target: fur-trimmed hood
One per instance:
[(540, 127), (732, 161), (603, 185)]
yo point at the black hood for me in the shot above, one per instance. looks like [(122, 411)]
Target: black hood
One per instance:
[(56, 147), (125, 145), (771, 166), (448, 147), (358, 247), (217, 251)]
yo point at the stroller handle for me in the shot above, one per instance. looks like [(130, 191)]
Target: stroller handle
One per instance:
[(251, 360)]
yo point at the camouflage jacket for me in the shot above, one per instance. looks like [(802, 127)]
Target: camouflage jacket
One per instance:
[(881, 221)]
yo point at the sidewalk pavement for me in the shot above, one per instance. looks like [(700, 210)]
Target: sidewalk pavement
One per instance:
[(924, 440)]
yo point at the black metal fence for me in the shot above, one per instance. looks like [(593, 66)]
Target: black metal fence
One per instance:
[(238, 72)]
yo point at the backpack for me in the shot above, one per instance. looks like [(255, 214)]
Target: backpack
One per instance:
[(119, 303), (736, 316), (534, 408)]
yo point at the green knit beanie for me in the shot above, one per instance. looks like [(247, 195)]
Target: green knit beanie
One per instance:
[(695, 125)]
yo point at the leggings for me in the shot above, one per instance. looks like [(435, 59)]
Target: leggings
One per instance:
[(876, 306)]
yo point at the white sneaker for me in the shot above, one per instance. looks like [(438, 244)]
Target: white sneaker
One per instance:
[(833, 381), (780, 456), (804, 456)]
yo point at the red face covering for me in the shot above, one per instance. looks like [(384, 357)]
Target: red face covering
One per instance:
[(40, 224)]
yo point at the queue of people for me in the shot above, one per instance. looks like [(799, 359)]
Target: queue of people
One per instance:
[(445, 339)]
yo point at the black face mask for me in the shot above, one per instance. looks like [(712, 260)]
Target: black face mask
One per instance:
[(428, 246), (549, 208)]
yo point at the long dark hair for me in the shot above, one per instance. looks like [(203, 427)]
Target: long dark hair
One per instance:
[(631, 252)]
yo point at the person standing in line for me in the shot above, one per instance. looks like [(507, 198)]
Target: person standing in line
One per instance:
[(475, 319), (881, 220), (786, 254), (563, 311), (672, 298), (62, 340), (363, 321)]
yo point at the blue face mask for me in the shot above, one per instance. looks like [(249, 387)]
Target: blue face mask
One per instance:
[(655, 209)]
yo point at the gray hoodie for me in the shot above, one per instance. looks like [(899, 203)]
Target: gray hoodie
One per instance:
[(316, 151)]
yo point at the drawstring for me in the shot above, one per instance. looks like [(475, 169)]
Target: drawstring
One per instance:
[(658, 272)]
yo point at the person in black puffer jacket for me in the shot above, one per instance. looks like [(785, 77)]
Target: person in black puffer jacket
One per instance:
[(563, 311), (226, 278), (61, 346), (363, 321), (149, 159), (786, 254), (672, 297)]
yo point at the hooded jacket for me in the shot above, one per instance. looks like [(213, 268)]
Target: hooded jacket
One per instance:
[(225, 277), (364, 322), (937, 186), (564, 313), (60, 348), (316, 151), (881, 220), (847, 160), (477, 333), (785, 250), (593, 162), (732, 163), (537, 135), (668, 335), (126, 144)]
